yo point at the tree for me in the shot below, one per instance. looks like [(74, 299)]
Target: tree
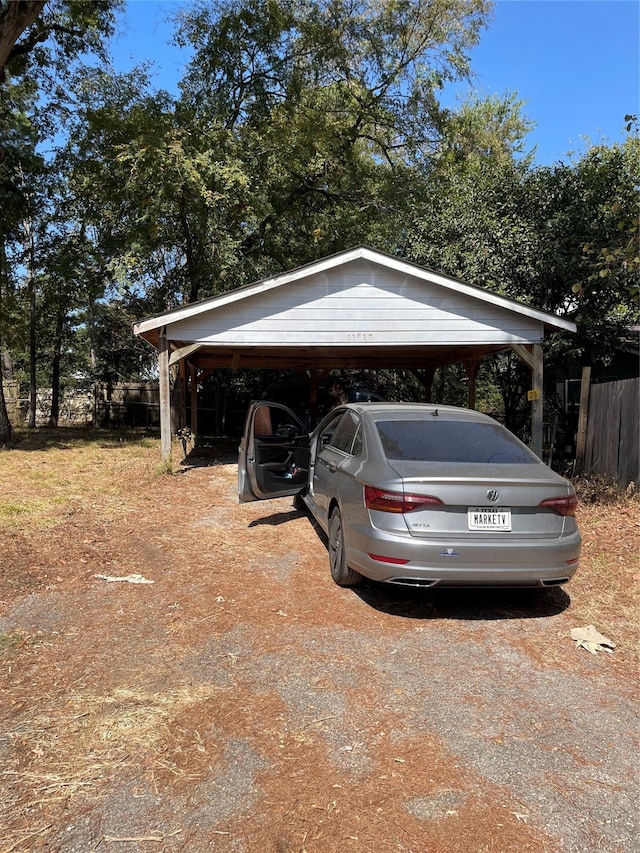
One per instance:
[(562, 238), (159, 191), (585, 219), (5, 423), (18, 159), (30, 28), (39, 45), (302, 128), (292, 134)]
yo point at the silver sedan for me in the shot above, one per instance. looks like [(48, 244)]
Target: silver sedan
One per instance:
[(417, 494)]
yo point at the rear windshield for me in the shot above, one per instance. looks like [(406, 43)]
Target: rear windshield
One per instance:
[(439, 440)]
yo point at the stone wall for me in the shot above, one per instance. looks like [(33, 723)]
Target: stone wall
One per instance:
[(76, 408)]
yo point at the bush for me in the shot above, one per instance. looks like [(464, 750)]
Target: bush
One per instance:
[(596, 488)]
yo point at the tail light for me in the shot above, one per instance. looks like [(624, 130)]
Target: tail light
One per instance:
[(563, 506), (401, 502), (395, 561)]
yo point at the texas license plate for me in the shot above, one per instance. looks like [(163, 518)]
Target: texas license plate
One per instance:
[(489, 518)]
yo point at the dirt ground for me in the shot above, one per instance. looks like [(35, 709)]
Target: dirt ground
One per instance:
[(240, 702)]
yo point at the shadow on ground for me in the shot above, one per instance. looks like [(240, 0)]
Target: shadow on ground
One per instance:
[(471, 604), (211, 453)]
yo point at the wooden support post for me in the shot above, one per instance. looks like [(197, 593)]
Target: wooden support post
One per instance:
[(533, 357), (537, 403), (425, 376), (472, 368), (313, 397), (193, 375), (583, 415), (182, 378), (165, 396)]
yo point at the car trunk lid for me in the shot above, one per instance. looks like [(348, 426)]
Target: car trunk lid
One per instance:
[(483, 500)]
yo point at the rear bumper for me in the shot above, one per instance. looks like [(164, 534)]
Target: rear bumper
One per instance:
[(440, 562)]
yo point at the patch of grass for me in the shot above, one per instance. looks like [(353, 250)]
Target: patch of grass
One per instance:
[(51, 472), (66, 438), (165, 467), (9, 509), (35, 510), (18, 639), (9, 642)]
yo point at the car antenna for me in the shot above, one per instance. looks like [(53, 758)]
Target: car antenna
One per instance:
[(434, 414)]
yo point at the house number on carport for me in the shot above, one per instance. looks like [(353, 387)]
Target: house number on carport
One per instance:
[(353, 337)]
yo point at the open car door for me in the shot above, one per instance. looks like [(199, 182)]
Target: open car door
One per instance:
[(273, 457)]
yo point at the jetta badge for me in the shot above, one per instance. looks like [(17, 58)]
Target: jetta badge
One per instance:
[(493, 495)]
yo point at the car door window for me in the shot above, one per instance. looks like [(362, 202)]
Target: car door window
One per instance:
[(275, 451), (276, 423), (262, 424), (346, 434), (326, 436)]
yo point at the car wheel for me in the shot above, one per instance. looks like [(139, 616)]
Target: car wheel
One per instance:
[(340, 571), (298, 502)]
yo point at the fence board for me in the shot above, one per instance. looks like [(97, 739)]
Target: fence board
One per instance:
[(612, 431), (596, 428), (629, 458)]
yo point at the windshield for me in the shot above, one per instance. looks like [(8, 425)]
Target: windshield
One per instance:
[(441, 440)]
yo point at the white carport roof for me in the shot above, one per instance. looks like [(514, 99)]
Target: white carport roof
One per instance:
[(357, 309)]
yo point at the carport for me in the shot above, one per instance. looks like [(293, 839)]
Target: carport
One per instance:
[(359, 309)]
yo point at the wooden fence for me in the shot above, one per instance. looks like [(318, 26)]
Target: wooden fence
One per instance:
[(134, 404), (612, 446)]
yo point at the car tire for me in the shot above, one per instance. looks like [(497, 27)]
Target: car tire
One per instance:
[(340, 571), (298, 502)]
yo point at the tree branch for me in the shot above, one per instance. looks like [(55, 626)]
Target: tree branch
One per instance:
[(15, 17)]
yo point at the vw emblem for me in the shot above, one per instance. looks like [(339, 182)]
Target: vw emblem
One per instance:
[(493, 495)]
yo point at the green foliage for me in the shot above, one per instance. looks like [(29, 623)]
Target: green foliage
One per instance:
[(293, 133), (587, 227), (39, 45), (615, 257), (487, 132), (562, 238), (321, 106), (105, 332)]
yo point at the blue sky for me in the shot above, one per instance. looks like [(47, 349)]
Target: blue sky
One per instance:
[(575, 64)]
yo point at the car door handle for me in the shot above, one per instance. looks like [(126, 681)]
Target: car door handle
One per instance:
[(333, 468)]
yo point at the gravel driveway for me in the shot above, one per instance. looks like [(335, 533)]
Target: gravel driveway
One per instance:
[(242, 702)]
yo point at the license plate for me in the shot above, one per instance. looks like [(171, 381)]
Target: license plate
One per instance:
[(489, 518)]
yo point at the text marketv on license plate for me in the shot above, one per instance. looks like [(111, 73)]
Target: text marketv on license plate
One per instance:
[(489, 518)]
